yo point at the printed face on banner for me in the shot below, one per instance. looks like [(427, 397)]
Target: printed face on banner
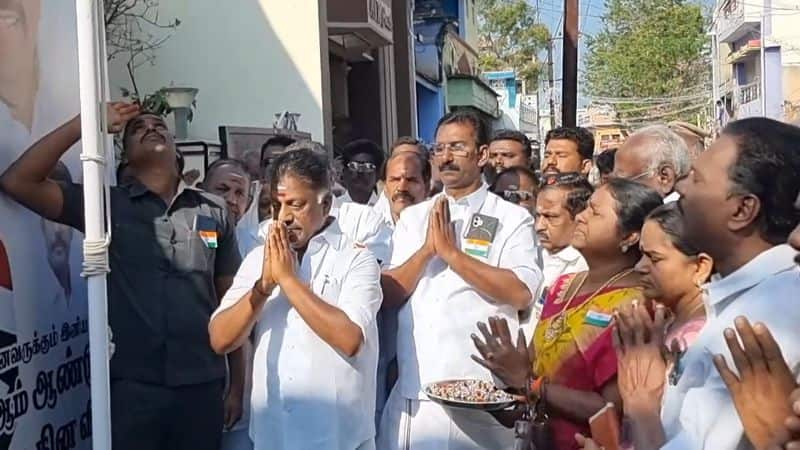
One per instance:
[(44, 355), (19, 32)]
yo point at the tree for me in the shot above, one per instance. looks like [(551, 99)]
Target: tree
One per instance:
[(135, 31), (510, 37), (652, 52)]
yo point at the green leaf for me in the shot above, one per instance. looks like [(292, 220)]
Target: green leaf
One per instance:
[(510, 37), (646, 49)]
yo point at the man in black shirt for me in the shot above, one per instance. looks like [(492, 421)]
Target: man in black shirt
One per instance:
[(172, 257)]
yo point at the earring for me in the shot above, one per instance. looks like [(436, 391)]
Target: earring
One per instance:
[(624, 248)]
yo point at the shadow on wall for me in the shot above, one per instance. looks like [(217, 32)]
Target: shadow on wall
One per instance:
[(249, 62)]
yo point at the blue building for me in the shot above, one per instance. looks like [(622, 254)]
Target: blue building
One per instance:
[(446, 62)]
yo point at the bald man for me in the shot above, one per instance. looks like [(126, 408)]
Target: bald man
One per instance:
[(654, 156)]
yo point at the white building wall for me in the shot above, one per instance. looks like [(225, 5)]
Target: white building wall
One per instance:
[(785, 17), (249, 59)]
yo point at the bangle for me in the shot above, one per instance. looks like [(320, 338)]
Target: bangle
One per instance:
[(257, 289), (533, 388)]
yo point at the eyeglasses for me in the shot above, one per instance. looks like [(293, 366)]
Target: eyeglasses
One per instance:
[(516, 196), (455, 148), (361, 167)]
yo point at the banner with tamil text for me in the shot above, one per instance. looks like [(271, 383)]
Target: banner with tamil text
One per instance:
[(44, 355)]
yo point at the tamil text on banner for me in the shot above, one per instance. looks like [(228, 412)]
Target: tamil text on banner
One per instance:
[(44, 357)]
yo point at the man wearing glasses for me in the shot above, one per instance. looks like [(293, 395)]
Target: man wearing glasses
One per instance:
[(458, 258), (654, 156), (363, 160)]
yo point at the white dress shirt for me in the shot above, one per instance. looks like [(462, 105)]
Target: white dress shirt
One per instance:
[(673, 196), (567, 260), (383, 208), (698, 412), (373, 199), (306, 394), (436, 323)]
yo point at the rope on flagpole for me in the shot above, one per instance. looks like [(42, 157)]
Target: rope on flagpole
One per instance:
[(95, 251)]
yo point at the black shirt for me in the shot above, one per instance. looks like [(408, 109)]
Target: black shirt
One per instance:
[(161, 290)]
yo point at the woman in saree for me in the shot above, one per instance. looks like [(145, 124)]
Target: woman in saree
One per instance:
[(672, 273), (570, 368)]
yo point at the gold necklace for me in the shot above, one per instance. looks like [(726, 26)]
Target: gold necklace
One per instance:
[(558, 325)]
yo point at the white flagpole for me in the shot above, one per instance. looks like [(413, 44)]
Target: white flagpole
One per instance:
[(94, 176)]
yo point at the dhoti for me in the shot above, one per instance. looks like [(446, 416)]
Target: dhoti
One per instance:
[(412, 424)]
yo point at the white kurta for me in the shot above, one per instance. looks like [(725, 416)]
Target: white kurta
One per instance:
[(383, 208), (307, 395), (568, 260), (436, 323)]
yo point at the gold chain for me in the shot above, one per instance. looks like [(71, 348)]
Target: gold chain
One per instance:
[(557, 326)]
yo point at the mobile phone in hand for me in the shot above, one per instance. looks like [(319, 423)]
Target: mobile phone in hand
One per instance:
[(605, 428)]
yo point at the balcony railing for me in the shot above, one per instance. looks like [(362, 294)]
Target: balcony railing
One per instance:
[(749, 92)]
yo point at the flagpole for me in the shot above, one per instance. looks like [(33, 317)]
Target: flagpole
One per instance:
[(90, 64)]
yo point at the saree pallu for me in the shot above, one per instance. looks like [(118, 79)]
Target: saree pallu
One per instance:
[(581, 356)]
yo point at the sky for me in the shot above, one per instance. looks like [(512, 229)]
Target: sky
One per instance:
[(589, 21)]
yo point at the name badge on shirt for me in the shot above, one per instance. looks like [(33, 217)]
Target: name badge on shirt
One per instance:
[(206, 228), (597, 319), (480, 234)]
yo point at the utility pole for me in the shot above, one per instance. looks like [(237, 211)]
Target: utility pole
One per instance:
[(763, 62), (551, 84), (569, 76), (715, 78)]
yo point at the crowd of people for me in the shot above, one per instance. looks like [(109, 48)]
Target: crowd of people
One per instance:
[(299, 301)]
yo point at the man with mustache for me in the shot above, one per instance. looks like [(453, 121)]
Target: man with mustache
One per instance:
[(310, 296), (408, 175), (561, 198), (230, 179), (738, 204), (358, 222), (58, 239), (172, 257), (568, 149), (463, 256), (404, 144), (654, 156), (509, 148)]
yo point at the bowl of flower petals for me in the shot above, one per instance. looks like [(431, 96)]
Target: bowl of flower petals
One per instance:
[(469, 394)]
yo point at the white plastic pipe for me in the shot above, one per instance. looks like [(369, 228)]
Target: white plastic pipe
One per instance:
[(92, 105)]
